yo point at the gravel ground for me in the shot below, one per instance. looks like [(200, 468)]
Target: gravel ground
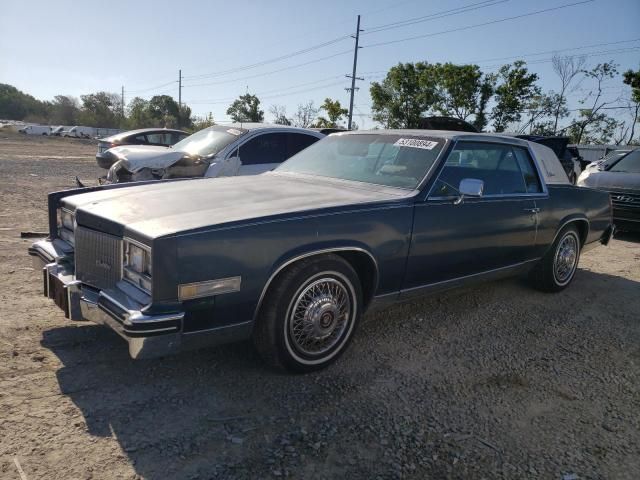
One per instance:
[(498, 381)]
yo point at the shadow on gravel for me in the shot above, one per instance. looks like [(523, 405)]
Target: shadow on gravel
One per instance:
[(633, 237), (221, 413)]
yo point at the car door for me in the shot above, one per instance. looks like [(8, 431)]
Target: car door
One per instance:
[(453, 239), (262, 153)]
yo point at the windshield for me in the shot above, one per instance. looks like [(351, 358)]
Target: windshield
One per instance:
[(208, 141), (628, 164), (392, 160)]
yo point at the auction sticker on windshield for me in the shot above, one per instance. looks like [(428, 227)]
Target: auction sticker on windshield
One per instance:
[(416, 143)]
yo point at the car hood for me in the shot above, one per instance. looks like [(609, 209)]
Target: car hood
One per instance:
[(164, 208), (136, 157), (609, 180)]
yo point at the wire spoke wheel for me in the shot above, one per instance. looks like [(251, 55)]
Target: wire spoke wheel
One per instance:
[(320, 315), (566, 258)]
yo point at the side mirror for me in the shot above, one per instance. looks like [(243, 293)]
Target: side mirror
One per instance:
[(469, 187)]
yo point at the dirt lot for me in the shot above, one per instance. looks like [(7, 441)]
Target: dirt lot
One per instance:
[(498, 381)]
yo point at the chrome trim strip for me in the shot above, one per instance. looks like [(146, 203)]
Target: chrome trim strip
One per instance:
[(216, 329), (464, 277), (311, 254), (579, 219)]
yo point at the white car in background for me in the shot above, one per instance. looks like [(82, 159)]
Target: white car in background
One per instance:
[(218, 151)]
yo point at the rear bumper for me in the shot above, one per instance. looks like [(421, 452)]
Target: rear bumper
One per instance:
[(148, 336)]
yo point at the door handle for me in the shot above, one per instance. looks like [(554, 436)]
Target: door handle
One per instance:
[(532, 210)]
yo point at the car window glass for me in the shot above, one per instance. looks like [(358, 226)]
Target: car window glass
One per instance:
[(505, 170), (298, 142), (387, 159), (267, 148), (628, 164), (528, 169), (159, 138), (140, 139)]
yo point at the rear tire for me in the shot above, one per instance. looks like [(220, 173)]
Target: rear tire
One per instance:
[(556, 269), (309, 315)]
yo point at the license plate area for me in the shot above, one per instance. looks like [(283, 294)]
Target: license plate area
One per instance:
[(58, 294)]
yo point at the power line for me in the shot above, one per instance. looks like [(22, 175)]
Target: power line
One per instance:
[(152, 88), (270, 72), (555, 51), (271, 60), (469, 27), (263, 97), (279, 89), (435, 16)]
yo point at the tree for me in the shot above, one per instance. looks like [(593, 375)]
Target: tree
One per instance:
[(487, 89), (567, 68), (164, 111), (334, 111), (592, 119), (513, 95), (198, 123), (543, 106), (408, 91), (17, 105), (632, 79), (138, 114), (279, 113), (101, 109), (246, 109), (64, 110), (305, 115), (458, 90)]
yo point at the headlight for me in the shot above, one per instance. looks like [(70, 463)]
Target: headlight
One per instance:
[(136, 268), (66, 225)]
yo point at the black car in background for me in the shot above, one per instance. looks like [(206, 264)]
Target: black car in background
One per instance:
[(163, 137), (569, 157)]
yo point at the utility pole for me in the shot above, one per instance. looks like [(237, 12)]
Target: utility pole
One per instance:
[(353, 77), (179, 98)]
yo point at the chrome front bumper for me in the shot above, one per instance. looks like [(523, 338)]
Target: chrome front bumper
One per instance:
[(147, 335)]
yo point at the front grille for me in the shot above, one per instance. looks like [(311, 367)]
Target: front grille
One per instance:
[(625, 199), (98, 258)]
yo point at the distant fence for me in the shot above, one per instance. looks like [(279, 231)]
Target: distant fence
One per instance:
[(591, 153)]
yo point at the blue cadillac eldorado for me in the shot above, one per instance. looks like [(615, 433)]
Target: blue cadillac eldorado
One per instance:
[(294, 257)]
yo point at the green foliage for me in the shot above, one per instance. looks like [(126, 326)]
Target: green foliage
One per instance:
[(16, 105), (64, 110), (334, 111), (246, 109), (161, 111), (458, 89), (632, 79), (514, 93), (202, 123), (101, 109), (407, 92)]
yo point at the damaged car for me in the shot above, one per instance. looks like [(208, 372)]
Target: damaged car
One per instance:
[(217, 151)]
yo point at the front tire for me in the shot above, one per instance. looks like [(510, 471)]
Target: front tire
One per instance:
[(556, 269), (309, 315)]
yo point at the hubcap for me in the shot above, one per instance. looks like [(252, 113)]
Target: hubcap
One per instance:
[(566, 258), (319, 317)]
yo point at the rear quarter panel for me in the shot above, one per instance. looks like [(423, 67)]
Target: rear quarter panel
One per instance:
[(567, 202)]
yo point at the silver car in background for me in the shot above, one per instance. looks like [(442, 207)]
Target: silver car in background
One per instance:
[(217, 151), (619, 174)]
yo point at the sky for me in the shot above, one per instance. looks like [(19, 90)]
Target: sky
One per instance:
[(226, 48)]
